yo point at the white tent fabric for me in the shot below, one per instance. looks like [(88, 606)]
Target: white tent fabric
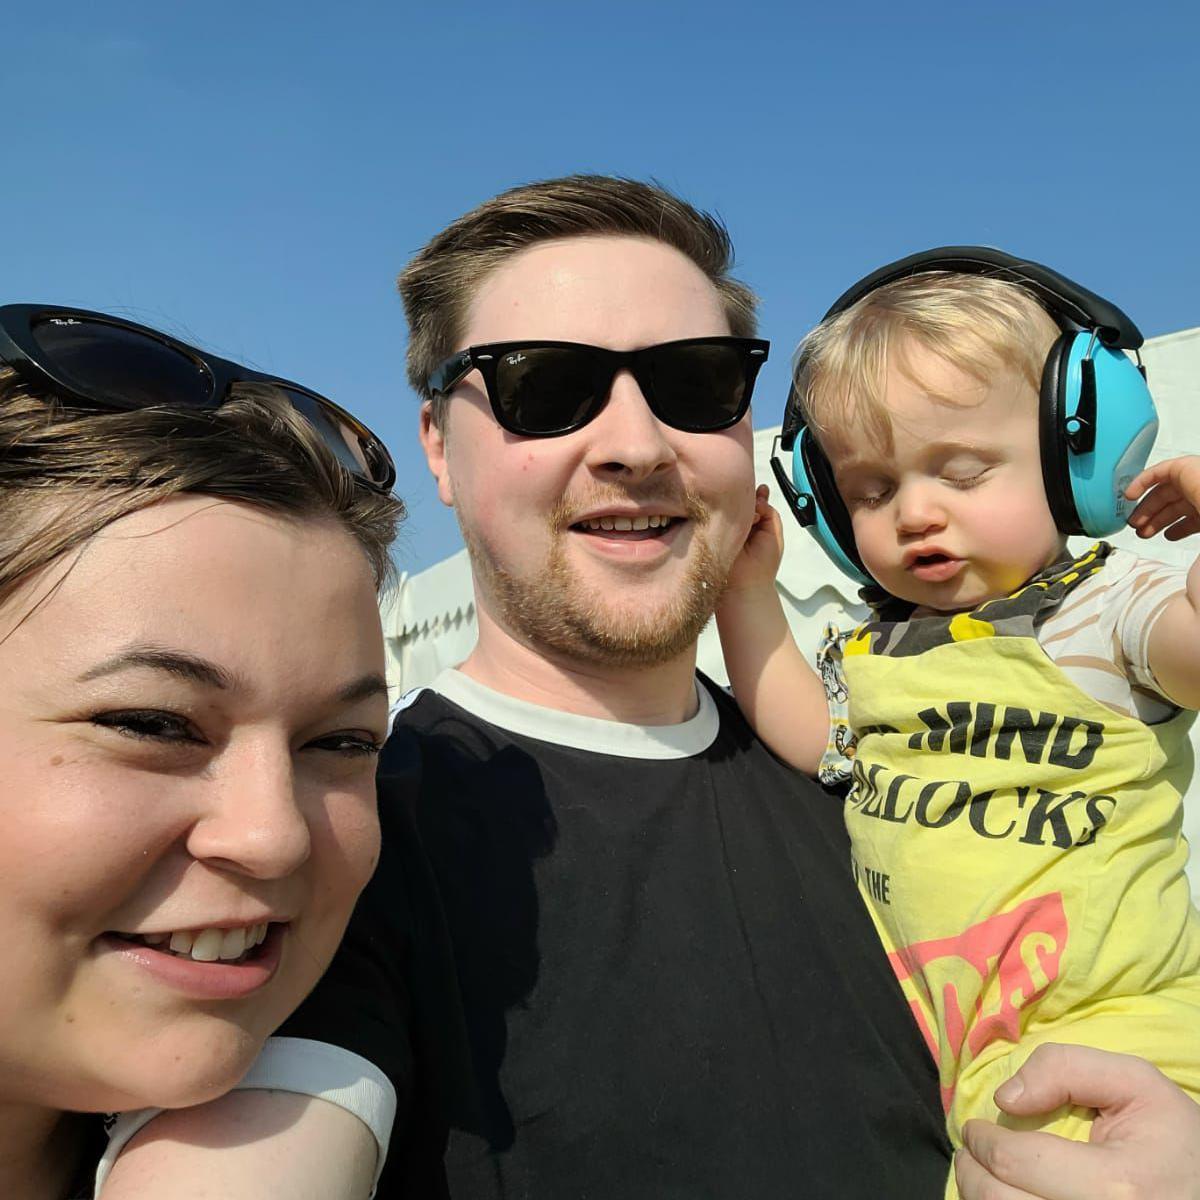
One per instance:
[(429, 620)]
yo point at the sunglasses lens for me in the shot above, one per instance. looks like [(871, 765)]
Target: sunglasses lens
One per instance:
[(119, 366), (547, 389), (358, 450), (699, 387)]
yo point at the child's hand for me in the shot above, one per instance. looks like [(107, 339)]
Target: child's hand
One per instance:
[(1170, 499), (758, 563)]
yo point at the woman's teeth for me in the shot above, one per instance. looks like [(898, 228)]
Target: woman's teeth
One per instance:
[(206, 945), (625, 524)]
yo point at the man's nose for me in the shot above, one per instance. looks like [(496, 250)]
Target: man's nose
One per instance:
[(626, 440), (250, 821)]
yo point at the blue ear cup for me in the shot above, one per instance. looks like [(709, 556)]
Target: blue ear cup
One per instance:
[(1102, 462), (818, 506), (1098, 425)]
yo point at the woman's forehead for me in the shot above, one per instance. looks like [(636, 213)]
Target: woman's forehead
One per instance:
[(202, 575)]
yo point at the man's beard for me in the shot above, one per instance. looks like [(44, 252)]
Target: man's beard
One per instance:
[(553, 608)]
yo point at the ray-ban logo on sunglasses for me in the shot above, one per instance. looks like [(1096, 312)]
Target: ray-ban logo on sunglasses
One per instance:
[(513, 359), (64, 321)]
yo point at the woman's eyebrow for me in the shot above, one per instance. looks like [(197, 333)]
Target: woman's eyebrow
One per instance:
[(174, 662), (362, 689), (199, 670)]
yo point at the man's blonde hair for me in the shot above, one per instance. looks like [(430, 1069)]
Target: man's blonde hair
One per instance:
[(976, 323)]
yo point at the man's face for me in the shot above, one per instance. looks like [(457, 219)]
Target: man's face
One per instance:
[(609, 544)]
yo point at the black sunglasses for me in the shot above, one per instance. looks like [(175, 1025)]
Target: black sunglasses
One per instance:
[(108, 362), (544, 389)]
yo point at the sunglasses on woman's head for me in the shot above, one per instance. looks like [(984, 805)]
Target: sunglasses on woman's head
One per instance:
[(545, 389), (108, 362)]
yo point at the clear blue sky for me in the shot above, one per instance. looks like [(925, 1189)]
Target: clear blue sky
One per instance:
[(252, 175)]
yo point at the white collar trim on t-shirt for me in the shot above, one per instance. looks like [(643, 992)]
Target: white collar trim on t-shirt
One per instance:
[(568, 729)]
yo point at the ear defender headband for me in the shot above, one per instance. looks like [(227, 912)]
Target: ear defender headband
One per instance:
[(1097, 421)]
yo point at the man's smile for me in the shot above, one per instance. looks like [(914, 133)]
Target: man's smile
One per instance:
[(628, 527)]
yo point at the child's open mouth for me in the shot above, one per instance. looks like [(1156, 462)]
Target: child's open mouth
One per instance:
[(935, 568)]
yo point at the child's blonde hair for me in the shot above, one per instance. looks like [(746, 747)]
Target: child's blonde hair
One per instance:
[(976, 323)]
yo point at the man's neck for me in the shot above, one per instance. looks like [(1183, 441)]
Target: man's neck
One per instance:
[(659, 695)]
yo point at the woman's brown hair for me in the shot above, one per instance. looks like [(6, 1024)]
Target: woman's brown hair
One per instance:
[(67, 471)]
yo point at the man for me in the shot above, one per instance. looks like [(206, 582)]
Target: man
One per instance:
[(613, 948)]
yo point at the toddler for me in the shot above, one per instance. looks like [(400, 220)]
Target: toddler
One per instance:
[(1012, 720)]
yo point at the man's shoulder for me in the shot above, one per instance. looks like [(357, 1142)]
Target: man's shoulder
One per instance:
[(414, 706), (426, 724)]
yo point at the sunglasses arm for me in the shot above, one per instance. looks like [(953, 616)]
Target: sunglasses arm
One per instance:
[(445, 378)]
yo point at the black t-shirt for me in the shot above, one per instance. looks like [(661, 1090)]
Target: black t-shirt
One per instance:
[(621, 963)]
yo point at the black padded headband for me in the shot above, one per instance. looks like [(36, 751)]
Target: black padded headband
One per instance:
[(1072, 306), (1064, 299)]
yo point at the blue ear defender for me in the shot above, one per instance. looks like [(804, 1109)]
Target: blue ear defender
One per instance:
[(1097, 417), (1098, 428), (816, 503)]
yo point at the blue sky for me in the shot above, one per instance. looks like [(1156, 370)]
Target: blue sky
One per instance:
[(253, 175)]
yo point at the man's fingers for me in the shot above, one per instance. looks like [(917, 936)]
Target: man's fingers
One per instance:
[(1034, 1164), (976, 1183), (1145, 1140), (1054, 1075)]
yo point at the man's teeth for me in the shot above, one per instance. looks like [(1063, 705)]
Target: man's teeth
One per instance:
[(209, 945), (625, 524)]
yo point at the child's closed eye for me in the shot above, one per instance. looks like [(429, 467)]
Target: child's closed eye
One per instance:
[(870, 497), (966, 479)]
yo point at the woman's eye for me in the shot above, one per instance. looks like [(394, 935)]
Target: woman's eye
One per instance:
[(350, 744), (148, 725)]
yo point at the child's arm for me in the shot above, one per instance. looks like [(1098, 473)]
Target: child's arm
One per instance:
[(1170, 502), (780, 694)]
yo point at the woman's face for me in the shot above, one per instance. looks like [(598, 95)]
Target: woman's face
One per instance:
[(190, 711)]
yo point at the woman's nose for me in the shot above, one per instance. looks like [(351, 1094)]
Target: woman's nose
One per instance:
[(251, 822)]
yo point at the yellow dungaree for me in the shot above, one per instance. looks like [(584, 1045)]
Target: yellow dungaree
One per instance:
[(1018, 845)]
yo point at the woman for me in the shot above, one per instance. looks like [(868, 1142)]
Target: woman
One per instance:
[(191, 705)]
